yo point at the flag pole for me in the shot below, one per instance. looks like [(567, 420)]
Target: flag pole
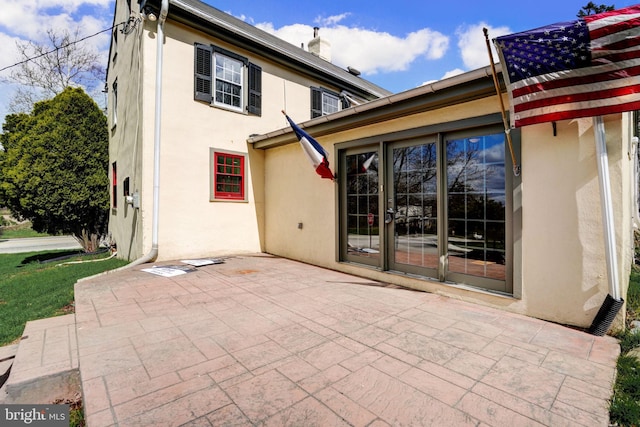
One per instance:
[(507, 130)]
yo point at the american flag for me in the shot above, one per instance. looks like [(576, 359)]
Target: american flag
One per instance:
[(584, 68)]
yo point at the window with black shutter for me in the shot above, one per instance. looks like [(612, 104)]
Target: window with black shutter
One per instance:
[(325, 102), (225, 79)]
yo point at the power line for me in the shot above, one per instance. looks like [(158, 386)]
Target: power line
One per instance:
[(60, 47)]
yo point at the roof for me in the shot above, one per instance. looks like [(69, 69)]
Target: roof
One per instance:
[(472, 85), (210, 20)]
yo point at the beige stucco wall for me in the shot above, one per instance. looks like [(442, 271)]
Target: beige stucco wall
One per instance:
[(190, 224), (559, 270), (564, 265), (126, 137)]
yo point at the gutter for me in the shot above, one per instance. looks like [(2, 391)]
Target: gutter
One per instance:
[(348, 118), (153, 253)]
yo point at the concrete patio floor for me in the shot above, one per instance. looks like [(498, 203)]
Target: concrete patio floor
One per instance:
[(261, 340)]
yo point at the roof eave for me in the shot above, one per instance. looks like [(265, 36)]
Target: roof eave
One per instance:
[(465, 87), (292, 57)]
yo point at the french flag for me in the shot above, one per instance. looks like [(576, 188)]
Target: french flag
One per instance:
[(314, 151)]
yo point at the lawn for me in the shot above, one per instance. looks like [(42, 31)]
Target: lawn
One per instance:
[(32, 286), (19, 232), (10, 228), (625, 403)]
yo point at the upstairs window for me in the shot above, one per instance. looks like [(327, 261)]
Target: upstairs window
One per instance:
[(114, 103), (228, 76), (325, 102), (225, 79), (114, 43)]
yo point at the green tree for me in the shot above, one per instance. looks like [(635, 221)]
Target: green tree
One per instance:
[(591, 9), (54, 167)]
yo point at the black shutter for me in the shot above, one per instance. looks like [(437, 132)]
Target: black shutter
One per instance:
[(345, 102), (203, 73), (316, 102), (254, 106)]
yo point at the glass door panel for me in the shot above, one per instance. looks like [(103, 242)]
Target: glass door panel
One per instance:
[(476, 203), (413, 211), (362, 207)]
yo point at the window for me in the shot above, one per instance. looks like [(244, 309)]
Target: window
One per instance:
[(224, 79), (114, 185), (114, 103), (228, 78), (114, 43), (325, 102), (228, 175)]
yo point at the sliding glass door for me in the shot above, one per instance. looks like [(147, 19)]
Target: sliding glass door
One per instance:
[(434, 206)]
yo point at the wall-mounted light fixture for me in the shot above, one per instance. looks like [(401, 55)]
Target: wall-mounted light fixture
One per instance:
[(149, 14)]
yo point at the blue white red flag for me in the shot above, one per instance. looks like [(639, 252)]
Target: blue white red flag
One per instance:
[(313, 150), (584, 68)]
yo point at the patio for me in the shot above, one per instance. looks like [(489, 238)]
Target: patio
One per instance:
[(261, 340)]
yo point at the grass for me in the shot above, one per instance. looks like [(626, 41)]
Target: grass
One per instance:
[(625, 403), (19, 232), (31, 288), (34, 286), (12, 229)]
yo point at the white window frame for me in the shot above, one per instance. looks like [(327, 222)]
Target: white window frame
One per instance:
[(217, 56), (330, 103)]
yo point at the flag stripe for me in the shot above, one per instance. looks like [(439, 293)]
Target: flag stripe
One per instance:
[(588, 112), (567, 95), (573, 78), (580, 105), (598, 27), (574, 69)]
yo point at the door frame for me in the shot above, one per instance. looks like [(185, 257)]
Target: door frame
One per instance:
[(487, 123)]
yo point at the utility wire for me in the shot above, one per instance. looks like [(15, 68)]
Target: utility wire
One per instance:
[(60, 47)]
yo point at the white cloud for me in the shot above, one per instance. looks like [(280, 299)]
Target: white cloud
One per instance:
[(369, 51), (446, 75), (472, 44), (331, 20), (31, 18), (452, 73), (8, 53)]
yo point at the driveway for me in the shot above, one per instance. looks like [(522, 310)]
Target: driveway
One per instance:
[(36, 244), (261, 340)]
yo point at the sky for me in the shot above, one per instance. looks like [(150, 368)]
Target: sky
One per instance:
[(397, 45)]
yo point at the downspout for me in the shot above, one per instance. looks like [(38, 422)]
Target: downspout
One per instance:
[(153, 254), (613, 301)]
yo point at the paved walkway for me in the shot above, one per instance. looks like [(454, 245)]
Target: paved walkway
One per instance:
[(261, 340)]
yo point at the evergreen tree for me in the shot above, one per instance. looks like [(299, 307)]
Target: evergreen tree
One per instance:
[(54, 167), (591, 9)]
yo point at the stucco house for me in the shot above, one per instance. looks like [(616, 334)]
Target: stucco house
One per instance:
[(425, 195), (190, 84)]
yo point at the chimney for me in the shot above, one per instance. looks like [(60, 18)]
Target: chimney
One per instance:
[(319, 46)]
